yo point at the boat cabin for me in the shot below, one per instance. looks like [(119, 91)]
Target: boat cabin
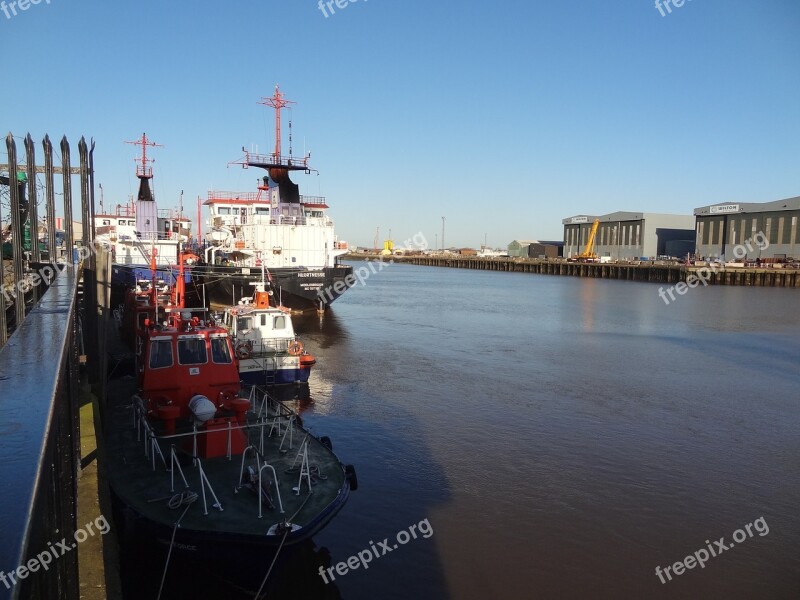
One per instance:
[(259, 328), (189, 377)]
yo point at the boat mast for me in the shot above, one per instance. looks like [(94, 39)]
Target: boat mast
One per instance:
[(277, 101), (146, 213), (143, 171)]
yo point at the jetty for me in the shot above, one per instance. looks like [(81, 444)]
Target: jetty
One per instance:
[(774, 275)]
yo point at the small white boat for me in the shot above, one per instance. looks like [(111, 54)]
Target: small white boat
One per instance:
[(264, 340)]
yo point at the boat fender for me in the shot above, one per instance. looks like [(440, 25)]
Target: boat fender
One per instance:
[(326, 441), (296, 348), (350, 473), (202, 408)]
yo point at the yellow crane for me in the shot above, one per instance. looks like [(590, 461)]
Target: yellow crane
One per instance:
[(588, 253)]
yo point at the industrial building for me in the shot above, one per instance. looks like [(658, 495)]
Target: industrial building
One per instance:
[(626, 235), (519, 248), (545, 249), (748, 230)]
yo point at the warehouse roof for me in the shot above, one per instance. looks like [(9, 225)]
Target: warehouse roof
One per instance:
[(728, 208)]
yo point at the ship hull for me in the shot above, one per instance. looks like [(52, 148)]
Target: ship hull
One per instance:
[(258, 376), (240, 559), (298, 289)]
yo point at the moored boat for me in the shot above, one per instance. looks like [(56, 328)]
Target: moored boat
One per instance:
[(205, 470), (264, 340), (276, 227)]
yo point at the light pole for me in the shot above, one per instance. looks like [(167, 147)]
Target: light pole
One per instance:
[(442, 234)]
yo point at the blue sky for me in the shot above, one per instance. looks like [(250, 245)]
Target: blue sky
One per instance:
[(503, 117)]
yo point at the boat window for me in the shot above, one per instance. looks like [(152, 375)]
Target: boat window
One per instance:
[(192, 351), (263, 320), (243, 323), (223, 210), (160, 354), (220, 351), (280, 323), (262, 210), (106, 222)]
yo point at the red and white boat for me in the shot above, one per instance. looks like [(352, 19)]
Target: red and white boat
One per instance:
[(203, 470)]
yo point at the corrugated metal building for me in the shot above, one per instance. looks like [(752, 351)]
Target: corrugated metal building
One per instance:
[(542, 250), (626, 235), (749, 230), (520, 247)]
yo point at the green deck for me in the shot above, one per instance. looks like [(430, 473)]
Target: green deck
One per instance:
[(132, 478)]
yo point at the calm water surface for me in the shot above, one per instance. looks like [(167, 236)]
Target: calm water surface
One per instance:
[(562, 436)]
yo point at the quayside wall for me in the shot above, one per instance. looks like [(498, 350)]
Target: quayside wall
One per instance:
[(650, 272)]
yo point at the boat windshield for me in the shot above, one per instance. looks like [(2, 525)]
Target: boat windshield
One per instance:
[(192, 351), (220, 351), (160, 354)]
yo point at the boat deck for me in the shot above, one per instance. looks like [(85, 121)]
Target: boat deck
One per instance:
[(147, 491)]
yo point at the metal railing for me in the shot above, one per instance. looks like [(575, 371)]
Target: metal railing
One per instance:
[(247, 348), (39, 369), (272, 418), (41, 452), (222, 196), (271, 159), (312, 200)]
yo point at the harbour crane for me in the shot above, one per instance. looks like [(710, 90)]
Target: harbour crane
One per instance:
[(588, 253)]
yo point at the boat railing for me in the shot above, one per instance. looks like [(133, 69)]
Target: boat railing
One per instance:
[(171, 213), (261, 469), (273, 418), (221, 196), (272, 159), (287, 220), (262, 347), (312, 200)]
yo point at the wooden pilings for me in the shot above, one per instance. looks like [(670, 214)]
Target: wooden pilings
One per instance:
[(654, 273)]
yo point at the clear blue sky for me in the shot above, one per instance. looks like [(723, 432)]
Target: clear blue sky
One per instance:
[(504, 117)]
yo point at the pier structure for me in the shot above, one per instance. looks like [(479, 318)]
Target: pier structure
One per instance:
[(653, 272)]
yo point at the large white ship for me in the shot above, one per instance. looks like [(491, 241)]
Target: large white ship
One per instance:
[(135, 230), (289, 234)]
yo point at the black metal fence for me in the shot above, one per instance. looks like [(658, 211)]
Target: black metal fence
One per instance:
[(40, 451), (40, 309)]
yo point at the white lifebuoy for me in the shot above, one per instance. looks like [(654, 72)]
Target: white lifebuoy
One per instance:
[(244, 349)]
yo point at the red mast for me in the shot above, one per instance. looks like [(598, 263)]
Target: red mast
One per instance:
[(143, 171), (277, 101)]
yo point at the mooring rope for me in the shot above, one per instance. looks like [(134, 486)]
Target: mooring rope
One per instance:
[(274, 558), (286, 533), (186, 497)]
